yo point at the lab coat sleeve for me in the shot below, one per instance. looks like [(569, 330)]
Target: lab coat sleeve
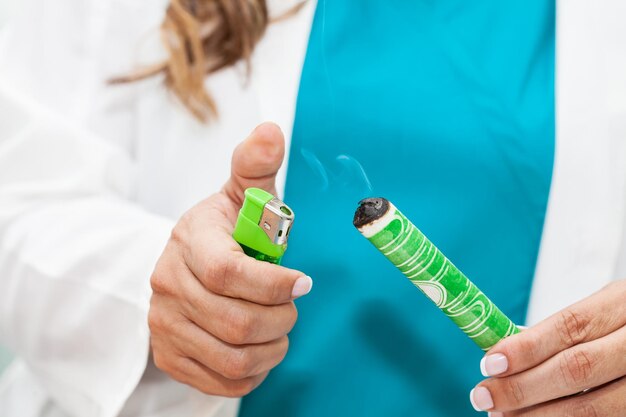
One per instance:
[(75, 259), (75, 253)]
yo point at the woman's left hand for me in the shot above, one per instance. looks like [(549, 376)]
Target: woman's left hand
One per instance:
[(571, 364)]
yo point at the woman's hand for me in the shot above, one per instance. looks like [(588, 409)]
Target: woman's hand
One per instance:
[(218, 318), (571, 364)]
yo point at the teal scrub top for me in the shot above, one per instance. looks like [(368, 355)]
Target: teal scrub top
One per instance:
[(446, 108)]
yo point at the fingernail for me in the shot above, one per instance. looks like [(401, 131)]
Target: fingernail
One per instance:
[(496, 414), (492, 365), (302, 286), (481, 400)]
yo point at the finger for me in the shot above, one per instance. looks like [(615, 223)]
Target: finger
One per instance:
[(585, 321), (574, 370), (230, 361), (237, 275), (235, 321), (219, 263), (256, 161), (190, 372), (607, 401)]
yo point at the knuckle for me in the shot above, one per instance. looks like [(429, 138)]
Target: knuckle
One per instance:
[(275, 292), (178, 234), (572, 327), (162, 362), (156, 320), (526, 347), (515, 393), (219, 273), (240, 326), (214, 270), (238, 364), (576, 367), (582, 409), (159, 282), (181, 232)]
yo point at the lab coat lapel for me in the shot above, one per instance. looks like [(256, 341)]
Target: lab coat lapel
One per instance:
[(584, 223)]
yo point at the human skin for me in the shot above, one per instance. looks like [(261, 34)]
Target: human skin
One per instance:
[(219, 319), (572, 364)]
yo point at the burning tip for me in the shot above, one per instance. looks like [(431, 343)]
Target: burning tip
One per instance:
[(369, 210)]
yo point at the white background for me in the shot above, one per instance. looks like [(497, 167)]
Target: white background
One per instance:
[(6, 7)]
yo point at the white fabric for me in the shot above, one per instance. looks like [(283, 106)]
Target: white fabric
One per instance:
[(92, 179), (583, 245)]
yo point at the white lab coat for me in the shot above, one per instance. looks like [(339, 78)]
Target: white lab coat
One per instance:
[(92, 178)]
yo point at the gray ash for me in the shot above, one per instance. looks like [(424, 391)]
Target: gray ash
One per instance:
[(369, 210)]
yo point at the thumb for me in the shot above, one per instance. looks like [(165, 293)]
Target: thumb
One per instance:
[(256, 161)]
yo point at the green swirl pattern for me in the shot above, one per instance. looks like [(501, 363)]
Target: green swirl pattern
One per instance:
[(430, 271)]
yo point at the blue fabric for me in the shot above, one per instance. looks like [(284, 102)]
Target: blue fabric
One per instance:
[(447, 109)]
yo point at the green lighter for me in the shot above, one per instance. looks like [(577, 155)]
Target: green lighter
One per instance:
[(263, 226)]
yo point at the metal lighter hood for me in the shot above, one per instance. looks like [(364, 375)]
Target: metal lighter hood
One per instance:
[(263, 225), (276, 221)]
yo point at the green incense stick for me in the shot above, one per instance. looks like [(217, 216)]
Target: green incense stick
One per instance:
[(429, 270)]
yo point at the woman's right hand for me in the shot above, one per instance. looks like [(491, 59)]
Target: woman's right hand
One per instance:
[(219, 319)]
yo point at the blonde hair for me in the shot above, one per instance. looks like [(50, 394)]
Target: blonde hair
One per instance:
[(202, 37)]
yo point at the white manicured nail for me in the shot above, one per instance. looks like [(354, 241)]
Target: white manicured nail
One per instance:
[(302, 286), (481, 400), (492, 365)]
